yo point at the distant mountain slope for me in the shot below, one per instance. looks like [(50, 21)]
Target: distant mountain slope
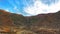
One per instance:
[(50, 20), (42, 23), (46, 20), (18, 19), (45, 23), (7, 18)]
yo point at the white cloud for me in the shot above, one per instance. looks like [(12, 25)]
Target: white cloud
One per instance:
[(7, 10), (40, 8), (17, 10)]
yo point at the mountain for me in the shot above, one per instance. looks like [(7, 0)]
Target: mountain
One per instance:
[(11, 19), (42, 23), (4, 18), (47, 20)]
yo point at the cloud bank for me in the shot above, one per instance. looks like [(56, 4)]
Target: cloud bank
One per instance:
[(40, 8)]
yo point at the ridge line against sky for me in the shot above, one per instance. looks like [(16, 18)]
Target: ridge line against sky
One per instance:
[(30, 7), (40, 8)]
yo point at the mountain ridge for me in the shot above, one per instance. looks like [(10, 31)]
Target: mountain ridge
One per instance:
[(42, 21)]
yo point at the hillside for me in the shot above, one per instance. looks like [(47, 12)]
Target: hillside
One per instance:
[(46, 20), (7, 18), (46, 23)]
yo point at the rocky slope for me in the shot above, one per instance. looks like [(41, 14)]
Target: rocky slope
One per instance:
[(43, 23), (39, 24)]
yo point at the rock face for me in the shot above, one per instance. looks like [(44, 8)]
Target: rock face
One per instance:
[(46, 20), (5, 18), (40, 24), (50, 21)]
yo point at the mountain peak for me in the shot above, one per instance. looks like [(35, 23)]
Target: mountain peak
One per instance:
[(3, 12)]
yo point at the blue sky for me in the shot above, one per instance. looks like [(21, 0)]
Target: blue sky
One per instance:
[(14, 6), (28, 7)]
